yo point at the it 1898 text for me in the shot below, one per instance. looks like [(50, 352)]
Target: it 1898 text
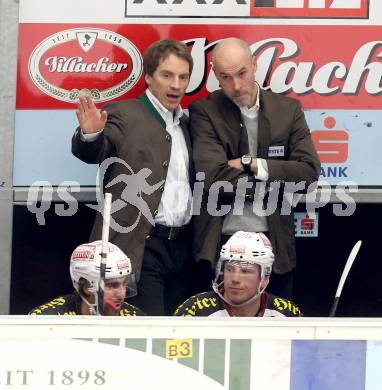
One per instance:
[(53, 377)]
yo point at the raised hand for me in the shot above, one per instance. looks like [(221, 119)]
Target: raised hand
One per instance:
[(91, 120)]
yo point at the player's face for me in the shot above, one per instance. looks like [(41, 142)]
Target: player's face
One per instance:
[(169, 81), (241, 281), (114, 293), (236, 75)]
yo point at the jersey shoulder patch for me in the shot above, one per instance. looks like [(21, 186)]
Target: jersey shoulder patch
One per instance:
[(63, 305), (283, 306), (199, 305)]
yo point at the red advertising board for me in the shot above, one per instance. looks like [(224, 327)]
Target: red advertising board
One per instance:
[(58, 61), (310, 8)]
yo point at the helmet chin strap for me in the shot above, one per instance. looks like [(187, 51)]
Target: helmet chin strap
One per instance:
[(93, 307), (217, 287)]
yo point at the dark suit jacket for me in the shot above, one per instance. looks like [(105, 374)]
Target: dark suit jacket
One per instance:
[(218, 134), (135, 133)]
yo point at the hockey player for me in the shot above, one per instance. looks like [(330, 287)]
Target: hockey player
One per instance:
[(242, 275), (91, 297)]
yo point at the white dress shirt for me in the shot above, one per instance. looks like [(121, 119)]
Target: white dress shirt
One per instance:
[(175, 206), (252, 114), (248, 219)]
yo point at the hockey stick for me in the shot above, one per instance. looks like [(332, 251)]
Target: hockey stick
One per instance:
[(104, 251), (345, 272)]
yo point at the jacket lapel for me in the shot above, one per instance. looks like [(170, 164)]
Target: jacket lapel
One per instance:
[(186, 134), (264, 131), (146, 101), (233, 118), (183, 124)]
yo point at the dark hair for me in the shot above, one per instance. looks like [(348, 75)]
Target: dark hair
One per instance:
[(160, 50)]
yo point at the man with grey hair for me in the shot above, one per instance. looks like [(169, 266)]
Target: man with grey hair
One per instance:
[(242, 132)]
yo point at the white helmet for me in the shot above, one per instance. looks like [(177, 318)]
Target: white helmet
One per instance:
[(246, 247), (85, 264), (254, 248)]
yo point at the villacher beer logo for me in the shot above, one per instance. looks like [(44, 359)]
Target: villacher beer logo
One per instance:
[(91, 61)]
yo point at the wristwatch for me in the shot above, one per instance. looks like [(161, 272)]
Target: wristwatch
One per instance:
[(246, 162)]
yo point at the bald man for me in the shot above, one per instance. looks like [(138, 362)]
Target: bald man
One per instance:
[(242, 133)]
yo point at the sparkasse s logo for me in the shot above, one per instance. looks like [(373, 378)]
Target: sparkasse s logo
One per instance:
[(80, 61), (305, 224), (248, 8), (333, 149)]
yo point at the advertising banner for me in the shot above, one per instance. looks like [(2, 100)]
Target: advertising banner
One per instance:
[(136, 357), (337, 79)]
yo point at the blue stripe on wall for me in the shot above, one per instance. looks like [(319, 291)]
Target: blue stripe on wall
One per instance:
[(374, 365), (328, 365)]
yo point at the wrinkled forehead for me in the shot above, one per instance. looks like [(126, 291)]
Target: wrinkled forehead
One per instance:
[(232, 65)]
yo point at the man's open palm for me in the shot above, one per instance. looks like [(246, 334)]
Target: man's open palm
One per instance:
[(91, 120)]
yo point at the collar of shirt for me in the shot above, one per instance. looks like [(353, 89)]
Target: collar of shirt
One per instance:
[(167, 115), (253, 111)]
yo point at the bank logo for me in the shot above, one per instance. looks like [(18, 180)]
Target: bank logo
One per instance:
[(79, 61), (333, 150), (332, 145), (248, 8), (306, 225)]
